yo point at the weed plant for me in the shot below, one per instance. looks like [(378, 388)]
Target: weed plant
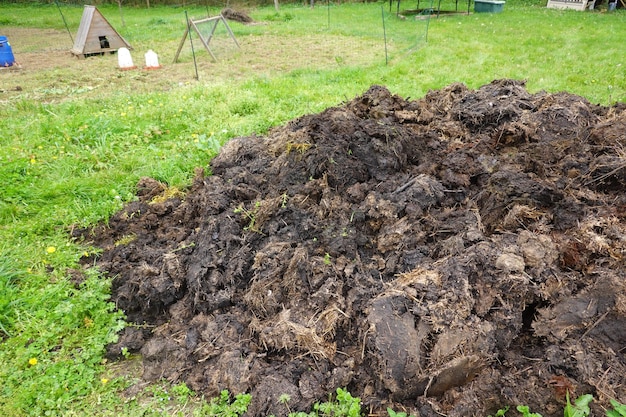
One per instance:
[(579, 408), (343, 405), (73, 144)]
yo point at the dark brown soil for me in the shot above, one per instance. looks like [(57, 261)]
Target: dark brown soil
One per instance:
[(236, 15), (444, 256)]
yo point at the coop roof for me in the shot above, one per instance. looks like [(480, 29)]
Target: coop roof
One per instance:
[(96, 35)]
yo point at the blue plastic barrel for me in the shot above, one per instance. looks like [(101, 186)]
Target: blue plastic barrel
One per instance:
[(6, 53)]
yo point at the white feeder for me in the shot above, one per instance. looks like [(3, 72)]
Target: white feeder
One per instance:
[(152, 60), (124, 59)]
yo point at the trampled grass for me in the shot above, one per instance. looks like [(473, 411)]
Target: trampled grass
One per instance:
[(77, 135)]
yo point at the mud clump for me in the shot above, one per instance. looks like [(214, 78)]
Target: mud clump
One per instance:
[(236, 16), (448, 255)]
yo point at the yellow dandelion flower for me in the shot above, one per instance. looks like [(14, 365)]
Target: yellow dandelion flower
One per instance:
[(32, 361), (51, 249), (104, 381), (33, 161)]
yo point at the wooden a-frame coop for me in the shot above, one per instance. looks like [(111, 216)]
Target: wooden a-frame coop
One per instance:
[(96, 36)]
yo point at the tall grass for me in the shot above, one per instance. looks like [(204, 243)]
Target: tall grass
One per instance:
[(77, 136)]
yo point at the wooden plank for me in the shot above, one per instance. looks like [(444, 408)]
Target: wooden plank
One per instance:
[(567, 4), (83, 30), (180, 45), (232, 35)]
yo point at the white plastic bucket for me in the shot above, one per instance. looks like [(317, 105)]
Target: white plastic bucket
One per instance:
[(152, 60), (124, 59)]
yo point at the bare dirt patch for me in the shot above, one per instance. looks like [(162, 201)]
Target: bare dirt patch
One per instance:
[(47, 71), (447, 256)]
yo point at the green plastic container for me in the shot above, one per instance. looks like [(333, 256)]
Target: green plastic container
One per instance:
[(488, 6)]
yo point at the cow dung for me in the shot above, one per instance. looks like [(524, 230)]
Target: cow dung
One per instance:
[(445, 256)]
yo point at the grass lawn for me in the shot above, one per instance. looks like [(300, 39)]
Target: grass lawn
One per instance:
[(77, 134)]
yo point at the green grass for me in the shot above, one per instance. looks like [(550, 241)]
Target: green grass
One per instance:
[(74, 143)]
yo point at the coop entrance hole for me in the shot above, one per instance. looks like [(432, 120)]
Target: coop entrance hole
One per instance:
[(104, 42)]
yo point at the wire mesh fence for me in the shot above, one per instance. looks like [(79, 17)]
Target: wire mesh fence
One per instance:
[(334, 34), (324, 35)]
